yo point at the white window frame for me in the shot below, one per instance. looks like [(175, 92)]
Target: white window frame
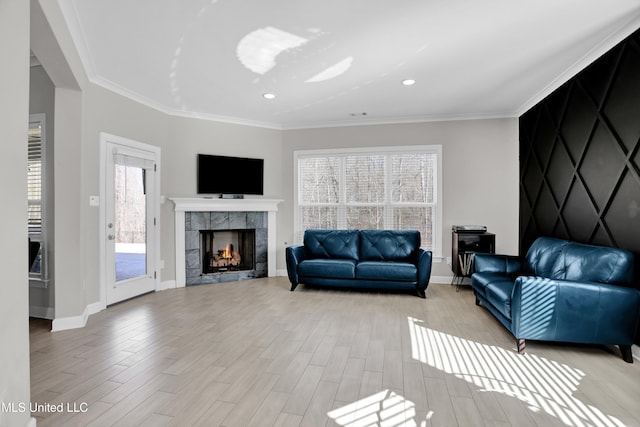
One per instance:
[(421, 149), (41, 279)]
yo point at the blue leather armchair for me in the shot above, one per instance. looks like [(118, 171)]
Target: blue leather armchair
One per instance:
[(371, 259), (562, 291)]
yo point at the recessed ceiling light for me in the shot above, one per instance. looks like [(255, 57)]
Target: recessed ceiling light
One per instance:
[(408, 82), (268, 95)]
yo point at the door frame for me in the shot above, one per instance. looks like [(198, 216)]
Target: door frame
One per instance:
[(105, 139)]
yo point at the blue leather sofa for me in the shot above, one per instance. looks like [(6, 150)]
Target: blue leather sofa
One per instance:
[(562, 291), (371, 259)]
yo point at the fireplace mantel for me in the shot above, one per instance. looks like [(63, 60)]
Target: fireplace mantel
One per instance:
[(205, 204)]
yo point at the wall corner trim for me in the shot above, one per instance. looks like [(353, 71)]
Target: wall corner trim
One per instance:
[(74, 322)]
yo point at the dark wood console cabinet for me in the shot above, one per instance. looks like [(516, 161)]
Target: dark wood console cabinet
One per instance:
[(463, 245)]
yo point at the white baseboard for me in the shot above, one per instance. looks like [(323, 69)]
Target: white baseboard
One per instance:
[(635, 351), (74, 322), (41, 312), (440, 280), (167, 284), (281, 273), (95, 308)]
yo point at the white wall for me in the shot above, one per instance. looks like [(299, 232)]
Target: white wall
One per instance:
[(480, 166), (187, 138), (180, 140), (70, 256), (50, 41), (14, 110), (105, 111)]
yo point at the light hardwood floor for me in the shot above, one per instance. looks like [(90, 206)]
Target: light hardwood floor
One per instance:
[(253, 353)]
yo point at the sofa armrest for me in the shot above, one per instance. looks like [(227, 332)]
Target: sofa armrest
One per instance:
[(571, 311), (494, 263), (294, 256), (424, 268)]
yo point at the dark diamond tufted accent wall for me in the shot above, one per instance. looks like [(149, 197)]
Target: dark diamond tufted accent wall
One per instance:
[(580, 156)]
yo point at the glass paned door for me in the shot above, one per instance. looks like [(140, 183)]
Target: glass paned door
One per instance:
[(130, 222)]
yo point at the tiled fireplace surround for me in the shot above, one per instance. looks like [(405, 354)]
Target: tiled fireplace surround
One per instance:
[(196, 222), (193, 215)]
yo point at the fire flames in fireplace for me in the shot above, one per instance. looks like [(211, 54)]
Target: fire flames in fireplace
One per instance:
[(226, 257), (220, 255)]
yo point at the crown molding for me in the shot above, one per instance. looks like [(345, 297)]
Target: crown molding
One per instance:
[(402, 120), (141, 99)]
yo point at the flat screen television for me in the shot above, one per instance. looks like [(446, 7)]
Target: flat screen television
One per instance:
[(227, 175)]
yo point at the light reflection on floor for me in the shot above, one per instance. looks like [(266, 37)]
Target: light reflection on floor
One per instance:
[(384, 409), (543, 384)]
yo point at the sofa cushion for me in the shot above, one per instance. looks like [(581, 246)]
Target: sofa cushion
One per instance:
[(328, 268), (589, 263), (542, 255), (480, 281), (385, 270), (498, 293), (328, 244), (389, 245)]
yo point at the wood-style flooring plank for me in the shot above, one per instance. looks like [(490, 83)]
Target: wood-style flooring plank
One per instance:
[(254, 353), (270, 410), (323, 398), (252, 400), (305, 389)]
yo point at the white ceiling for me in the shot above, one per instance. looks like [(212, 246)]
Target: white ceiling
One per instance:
[(330, 61)]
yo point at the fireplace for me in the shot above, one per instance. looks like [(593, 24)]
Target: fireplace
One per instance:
[(227, 250), (193, 214), (225, 246)]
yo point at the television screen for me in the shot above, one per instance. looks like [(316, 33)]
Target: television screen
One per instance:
[(230, 175)]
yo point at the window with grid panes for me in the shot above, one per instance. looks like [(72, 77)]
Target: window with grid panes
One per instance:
[(34, 181), (383, 188), (35, 192)]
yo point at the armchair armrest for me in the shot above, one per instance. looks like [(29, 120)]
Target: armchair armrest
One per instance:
[(294, 255), (494, 263), (571, 311), (424, 268)]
